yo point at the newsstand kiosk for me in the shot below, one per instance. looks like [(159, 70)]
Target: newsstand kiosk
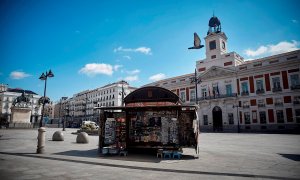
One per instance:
[(152, 118)]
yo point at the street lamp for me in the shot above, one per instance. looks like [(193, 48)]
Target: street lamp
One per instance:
[(196, 80), (44, 77), (66, 116), (122, 92), (237, 116), (41, 134)]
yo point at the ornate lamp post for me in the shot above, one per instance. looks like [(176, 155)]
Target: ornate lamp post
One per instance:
[(44, 77), (41, 134), (66, 116), (122, 93), (196, 80)]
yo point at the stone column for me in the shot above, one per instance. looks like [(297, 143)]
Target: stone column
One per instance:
[(41, 141)]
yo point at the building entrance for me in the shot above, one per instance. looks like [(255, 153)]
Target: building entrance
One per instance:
[(217, 119)]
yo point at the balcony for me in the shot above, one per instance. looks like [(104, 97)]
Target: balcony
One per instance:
[(245, 93), (295, 87), (276, 89), (278, 103), (219, 96), (261, 105), (260, 91)]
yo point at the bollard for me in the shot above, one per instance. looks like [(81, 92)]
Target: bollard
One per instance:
[(41, 141)]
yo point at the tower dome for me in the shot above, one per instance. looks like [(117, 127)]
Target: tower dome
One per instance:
[(214, 22), (214, 25)]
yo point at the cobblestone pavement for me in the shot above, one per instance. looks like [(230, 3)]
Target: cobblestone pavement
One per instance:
[(222, 156)]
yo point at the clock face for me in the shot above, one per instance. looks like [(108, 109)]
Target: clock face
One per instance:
[(223, 45)]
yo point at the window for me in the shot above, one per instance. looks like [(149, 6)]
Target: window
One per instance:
[(295, 81), (230, 118), (247, 117), (276, 84), (182, 96), (280, 118), (246, 104), (254, 116), (259, 84), (262, 117), (193, 95), (205, 120), (204, 92), (228, 89), (261, 103), (278, 101), (213, 56), (297, 114), (245, 88), (215, 90), (296, 100), (212, 45)]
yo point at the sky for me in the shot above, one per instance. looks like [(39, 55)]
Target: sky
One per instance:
[(91, 43)]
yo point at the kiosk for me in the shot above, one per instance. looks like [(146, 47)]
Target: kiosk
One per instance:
[(152, 118)]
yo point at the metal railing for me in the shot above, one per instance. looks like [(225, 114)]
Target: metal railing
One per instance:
[(276, 89), (245, 93), (260, 91), (295, 87)]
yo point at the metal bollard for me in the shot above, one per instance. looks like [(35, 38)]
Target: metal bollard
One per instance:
[(41, 141)]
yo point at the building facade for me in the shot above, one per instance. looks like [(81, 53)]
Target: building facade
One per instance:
[(80, 107), (233, 94), (8, 96)]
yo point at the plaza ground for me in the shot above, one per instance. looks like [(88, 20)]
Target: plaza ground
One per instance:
[(222, 156)]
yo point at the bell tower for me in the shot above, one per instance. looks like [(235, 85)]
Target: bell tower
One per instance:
[(216, 40)]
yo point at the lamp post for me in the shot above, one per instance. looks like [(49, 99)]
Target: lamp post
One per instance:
[(66, 116), (196, 80), (44, 77), (237, 116), (122, 93), (41, 134)]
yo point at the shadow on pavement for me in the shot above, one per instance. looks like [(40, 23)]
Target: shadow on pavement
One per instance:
[(294, 157), (132, 156), (235, 175)]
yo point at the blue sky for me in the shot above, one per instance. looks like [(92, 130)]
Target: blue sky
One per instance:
[(88, 44)]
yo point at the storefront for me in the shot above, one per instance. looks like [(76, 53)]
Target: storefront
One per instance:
[(152, 118)]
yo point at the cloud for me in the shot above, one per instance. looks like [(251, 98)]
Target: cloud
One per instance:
[(157, 77), (94, 69), (144, 50), (295, 21), (127, 57), (259, 51), (136, 71), (271, 49), (18, 75), (116, 67), (131, 78)]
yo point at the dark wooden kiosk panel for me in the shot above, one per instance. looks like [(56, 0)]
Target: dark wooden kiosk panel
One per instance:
[(152, 118)]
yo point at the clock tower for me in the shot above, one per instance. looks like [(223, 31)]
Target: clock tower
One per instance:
[(216, 40)]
